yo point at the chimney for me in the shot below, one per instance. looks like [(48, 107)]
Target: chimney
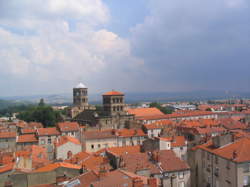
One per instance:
[(155, 156), (152, 182), (137, 182)]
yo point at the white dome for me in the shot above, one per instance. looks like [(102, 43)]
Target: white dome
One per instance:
[(80, 85)]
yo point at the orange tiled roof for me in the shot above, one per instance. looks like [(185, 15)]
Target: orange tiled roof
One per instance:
[(26, 138), (85, 179), (140, 161), (237, 151), (6, 158), (53, 166), (38, 154), (78, 158), (7, 134), (48, 131), (159, 124), (113, 93), (177, 115), (35, 125), (176, 141), (68, 126), (93, 162), (6, 168), (143, 112), (100, 134), (118, 151), (231, 124), (64, 139), (121, 178), (130, 132)]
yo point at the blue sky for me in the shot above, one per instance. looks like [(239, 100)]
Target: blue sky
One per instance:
[(48, 46)]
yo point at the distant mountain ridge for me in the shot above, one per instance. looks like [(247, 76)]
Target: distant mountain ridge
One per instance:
[(66, 98)]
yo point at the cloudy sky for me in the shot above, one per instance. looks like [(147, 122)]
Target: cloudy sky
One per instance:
[(48, 46)]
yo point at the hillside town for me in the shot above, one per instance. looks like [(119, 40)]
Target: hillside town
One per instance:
[(121, 145)]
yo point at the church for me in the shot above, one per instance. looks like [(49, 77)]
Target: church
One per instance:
[(112, 114)]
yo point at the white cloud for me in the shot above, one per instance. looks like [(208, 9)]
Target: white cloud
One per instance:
[(57, 42)]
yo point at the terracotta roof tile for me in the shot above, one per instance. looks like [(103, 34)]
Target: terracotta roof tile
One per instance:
[(113, 93), (35, 125), (53, 166), (237, 151), (78, 158), (7, 134), (48, 131), (145, 112), (85, 179), (176, 141), (68, 126), (26, 138), (100, 134), (118, 151), (93, 162), (6, 168), (130, 132), (64, 139), (159, 124), (167, 158)]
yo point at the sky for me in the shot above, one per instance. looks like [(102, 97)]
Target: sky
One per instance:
[(49, 46)]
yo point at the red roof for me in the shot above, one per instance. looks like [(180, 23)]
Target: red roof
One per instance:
[(177, 115), (6, 168), (53, 166), (140, 161), (68, 126), (130, 132), (26, 138), (237, 151), (64, 139), (113, 93), (176, 141), (143, 112), (7, 134), (118, 151), (159, 124), (85, 179), (78, 158), (48, 132), (93, 162), (100, 134), (38, 154), (35, 125)]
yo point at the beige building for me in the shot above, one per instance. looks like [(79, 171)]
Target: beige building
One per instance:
[(8, 141), (95, 140), (221, 162), (66, 147)]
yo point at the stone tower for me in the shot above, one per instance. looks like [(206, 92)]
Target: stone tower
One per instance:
[(80, 95), (113, 103)]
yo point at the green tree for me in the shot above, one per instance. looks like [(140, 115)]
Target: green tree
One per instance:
[(41, 113), (165, 110)]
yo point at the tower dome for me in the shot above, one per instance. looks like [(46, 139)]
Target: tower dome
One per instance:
[(80, 85)]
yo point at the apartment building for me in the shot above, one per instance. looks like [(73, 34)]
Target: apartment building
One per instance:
[(221, 162)]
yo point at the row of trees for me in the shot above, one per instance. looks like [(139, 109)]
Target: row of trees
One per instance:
[(42, 113), (165, 110)]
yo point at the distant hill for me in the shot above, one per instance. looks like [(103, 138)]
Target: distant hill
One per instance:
[(11, 103), (66, 98)]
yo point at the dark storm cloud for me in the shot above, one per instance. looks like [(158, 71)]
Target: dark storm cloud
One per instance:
[(196, 44)]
